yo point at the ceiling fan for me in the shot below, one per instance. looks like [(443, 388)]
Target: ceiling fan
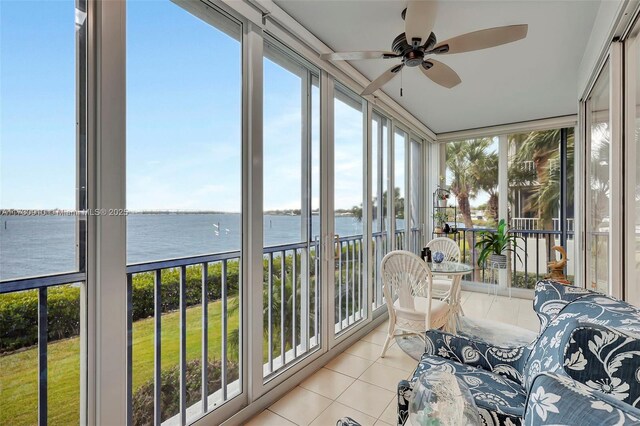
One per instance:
[(417, 42)]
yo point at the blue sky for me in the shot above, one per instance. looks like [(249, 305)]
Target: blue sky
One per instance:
[(183, 114), (37, 104)]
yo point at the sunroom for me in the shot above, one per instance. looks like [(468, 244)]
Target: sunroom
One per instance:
[(197, 196)]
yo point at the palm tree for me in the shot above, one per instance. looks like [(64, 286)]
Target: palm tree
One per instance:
[(543, 149), (275, 306), (398, 204), (467, 162), (473, 168)]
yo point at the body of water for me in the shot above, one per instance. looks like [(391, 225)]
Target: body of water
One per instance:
[(42, 245)]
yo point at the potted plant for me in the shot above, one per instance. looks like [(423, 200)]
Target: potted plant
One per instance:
[(494, 246), (439, 217), (443, 197)]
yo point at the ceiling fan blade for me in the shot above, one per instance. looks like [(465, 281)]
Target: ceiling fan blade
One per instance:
[(351, 56), (418, 22), (482, 39), (440, 73), (382, 80)]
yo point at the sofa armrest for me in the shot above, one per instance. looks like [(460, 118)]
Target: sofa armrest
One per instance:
[(557, 399), (405, 391), (347, 421), (604, 359), (551, 297), (506, 361)]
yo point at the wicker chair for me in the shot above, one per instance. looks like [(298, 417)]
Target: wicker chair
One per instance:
[(451, 250), (407, 286)]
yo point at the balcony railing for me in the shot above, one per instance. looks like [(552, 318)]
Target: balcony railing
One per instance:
[(171, 293), (210, 281), (69, 326), (292, 296), (349, 281), (534, 250), (533, 223)]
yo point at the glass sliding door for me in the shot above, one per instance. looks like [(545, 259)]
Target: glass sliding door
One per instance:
[(184, 198), (598, 185), (416, 191), (632, 169), (472, 177), (379, 183), (43, 211), (348, 198), (540, 179), (400, 139), (291, 217)]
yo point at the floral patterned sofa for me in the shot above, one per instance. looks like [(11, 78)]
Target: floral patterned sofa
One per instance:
[(556, 399), (589, 340)]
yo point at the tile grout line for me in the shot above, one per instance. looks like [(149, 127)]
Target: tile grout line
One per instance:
[(492, 305), (282, 417)]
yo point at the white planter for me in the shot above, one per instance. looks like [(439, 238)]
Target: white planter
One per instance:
[(442, 203), (497, 261)]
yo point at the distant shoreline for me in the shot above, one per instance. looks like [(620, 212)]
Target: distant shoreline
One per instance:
[(65, 212)]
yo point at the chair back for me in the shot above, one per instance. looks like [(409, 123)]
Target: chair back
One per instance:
[(405, 275), (447, 246)]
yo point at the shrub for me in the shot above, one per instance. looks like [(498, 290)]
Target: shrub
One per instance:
[(19, 310), (170, 390), (19, 316)]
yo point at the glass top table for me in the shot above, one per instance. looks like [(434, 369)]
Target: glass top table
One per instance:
[(449, 268), (454, 271)]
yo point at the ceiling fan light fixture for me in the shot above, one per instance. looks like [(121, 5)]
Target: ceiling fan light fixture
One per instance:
[(418, 41)]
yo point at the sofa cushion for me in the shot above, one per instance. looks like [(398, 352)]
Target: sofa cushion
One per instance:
[(551, 297), (490, 391), (547, 354)]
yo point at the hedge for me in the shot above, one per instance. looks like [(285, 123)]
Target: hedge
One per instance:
[(19, 310), (143, 404), (19, 316)]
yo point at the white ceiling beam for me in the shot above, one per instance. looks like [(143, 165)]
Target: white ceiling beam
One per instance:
[(521, 127)]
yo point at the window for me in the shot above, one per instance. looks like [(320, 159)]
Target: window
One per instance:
[(399, 193), (42, 210), (472, 177), (540, 183), (291, 216), (379, 199), (598, 217), (184, 171), (348, 201), (416, 198)]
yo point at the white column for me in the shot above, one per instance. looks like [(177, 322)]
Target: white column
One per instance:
[(616, 206), (631, 288), (106, 281), (367, 213), (327, 275), (504, 277), (252, 210)]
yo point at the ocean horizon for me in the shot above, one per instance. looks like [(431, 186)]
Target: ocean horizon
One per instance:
[(42, 245)]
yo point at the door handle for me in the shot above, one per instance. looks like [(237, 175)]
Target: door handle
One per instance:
[(338, 250)]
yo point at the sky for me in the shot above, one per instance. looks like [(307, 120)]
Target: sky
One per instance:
[(183, 115)]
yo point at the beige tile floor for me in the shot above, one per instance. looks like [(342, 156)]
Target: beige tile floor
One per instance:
[(360, 384)]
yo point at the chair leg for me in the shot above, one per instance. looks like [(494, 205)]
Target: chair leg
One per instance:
[(390, 332)]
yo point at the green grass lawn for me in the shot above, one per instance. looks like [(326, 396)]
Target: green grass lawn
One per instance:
[(19, 375)]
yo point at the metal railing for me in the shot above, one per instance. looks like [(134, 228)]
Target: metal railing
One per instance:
[(291, 292), (349, 282), (380, 247), (291, 319), (534, 250), (42, 286), (533, 223), (211, 286), (401, 239)]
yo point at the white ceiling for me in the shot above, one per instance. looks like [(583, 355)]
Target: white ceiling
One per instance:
[(529, 79)]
